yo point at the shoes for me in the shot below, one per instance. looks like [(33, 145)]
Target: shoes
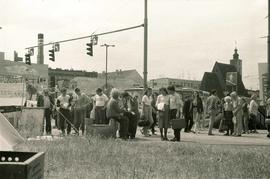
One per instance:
[(210, 134), (175, 140), (227, 134), (162, 138), (165, 139), (146, 135)]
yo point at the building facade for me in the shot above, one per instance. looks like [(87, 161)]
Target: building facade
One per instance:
[(178, 83), (34, 71), (58, 74), (217, 79)]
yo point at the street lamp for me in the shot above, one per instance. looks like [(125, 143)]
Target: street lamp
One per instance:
[(107, 46)]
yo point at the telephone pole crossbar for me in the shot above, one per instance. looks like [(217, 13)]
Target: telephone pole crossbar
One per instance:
[(89, 36)]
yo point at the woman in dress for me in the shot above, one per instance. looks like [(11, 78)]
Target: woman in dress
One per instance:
[(197, 107), (147, 111), (162, 105)]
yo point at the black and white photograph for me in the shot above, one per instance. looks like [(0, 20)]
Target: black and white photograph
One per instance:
[(119, 89)]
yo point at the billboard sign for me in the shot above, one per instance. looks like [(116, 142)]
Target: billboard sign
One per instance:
[(231, 78)]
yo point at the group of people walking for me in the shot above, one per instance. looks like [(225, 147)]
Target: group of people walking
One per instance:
[(158, 110)]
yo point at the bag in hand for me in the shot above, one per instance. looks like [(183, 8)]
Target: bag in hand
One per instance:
[(178, 123), (142, 122)]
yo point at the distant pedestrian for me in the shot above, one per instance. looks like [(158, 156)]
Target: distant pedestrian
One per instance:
[(245, 116), (134, 109), (100, 103), (188, 113), (212, 109), (48, 105), (237, 114), (174, 113), (154, 112), (253, 112), (162, 105), (115, 112), (131, 107), (64, 103), (147, 111), (228, 115), (197, 107), (80, 105)]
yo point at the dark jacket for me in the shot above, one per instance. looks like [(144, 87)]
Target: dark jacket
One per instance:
[(199, 105), (40, 101), (113, 109), (187, 109)]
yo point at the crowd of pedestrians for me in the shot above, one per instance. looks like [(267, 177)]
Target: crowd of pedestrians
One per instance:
[(236, 115)]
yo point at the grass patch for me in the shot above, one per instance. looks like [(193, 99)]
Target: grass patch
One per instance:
[(75, 157)]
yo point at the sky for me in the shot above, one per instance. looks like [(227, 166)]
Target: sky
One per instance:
[(186, 37)]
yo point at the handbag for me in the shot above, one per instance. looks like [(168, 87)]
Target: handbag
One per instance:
[(161, 106), (142, 122), (178, 123)]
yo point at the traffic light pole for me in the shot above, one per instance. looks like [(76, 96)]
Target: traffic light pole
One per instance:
[(106, 73), (145, 45)]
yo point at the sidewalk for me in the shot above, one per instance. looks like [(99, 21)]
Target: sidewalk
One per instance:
[(258, 139)]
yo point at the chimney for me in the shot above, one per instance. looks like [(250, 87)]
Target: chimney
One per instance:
[(40, 56)]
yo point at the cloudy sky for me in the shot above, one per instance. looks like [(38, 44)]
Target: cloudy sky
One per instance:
[(186, 37)]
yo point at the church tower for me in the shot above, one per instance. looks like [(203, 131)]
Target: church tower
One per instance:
[(236, 62)]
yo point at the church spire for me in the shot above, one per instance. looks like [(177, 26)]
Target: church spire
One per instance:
[(235, 55)]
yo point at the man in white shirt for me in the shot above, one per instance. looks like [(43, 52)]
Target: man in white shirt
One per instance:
[(175, 105), (80, 106), (253, 111), (100, 102), (212, 109), (63, 101)]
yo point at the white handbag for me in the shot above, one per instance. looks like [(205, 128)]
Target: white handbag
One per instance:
[(160, 106)]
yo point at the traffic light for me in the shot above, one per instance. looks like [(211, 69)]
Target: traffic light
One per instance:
[(27, 59), (52, 57), (90, 49)]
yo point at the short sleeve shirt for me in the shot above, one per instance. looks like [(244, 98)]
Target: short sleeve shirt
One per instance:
[(146, 100), (64, 101), (175, 101), (100, 100), (163, 99)]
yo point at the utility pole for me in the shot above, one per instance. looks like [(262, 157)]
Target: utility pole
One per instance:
[(106, 75), (268, 50), (145, 45)]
